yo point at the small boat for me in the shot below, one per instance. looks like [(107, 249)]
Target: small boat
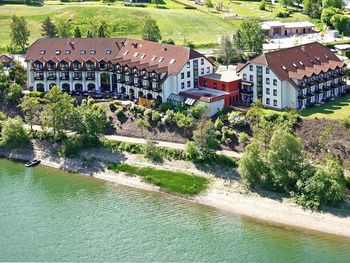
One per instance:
[(33, 163)]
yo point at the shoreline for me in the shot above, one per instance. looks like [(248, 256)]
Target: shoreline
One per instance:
[(221, 195)]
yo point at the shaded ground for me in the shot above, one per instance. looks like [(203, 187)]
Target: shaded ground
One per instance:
[(325, 135)]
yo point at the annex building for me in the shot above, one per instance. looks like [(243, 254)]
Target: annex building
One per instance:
[(132, 68), (295, 77)]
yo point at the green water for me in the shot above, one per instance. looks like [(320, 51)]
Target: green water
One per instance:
[(48, 215)]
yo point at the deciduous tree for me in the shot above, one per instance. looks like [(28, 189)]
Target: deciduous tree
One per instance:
[(31, 106), (77, 32), (48, 28), (150, 30), (19, 33)]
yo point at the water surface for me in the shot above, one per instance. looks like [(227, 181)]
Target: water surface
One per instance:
[(49, 215)]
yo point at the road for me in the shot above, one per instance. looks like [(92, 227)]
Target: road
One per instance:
[(143, 141)]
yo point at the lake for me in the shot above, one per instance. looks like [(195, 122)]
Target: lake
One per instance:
[(50, 215)]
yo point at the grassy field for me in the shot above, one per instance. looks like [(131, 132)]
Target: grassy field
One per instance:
[(336, 109), (176, 22), (171, 181)]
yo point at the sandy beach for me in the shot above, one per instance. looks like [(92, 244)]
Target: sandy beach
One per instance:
[(224, 192)]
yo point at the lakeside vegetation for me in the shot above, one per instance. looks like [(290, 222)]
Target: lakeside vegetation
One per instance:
[(177, 182)]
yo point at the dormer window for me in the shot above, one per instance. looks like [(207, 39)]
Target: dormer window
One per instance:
[(63, 65), (294, 65), (160, 59), (93, 51), (108, 51), (154, 58), (76, 65), (82, 51), (136, 54), (42, 51), (142, 56), (57, 52), (67, 52), (301, 63), (103, 65), (89, 65), (172, 61), (125, 53), (38, 65)]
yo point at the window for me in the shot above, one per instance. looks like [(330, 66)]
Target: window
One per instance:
[(67, 52), (268, 101), (205, 83), (202, 71), (274, 92), (223, 87), (42, 51), (172, 61), (267, 71), (251, 67), (188, 84), (208, 69), (57, 52), (268, 91), (275, 82), (82, 51), (251, 77), (160, 59), (267, 81), (202, 61), (215, 85), (93, 51), (182, 85), (244, 76), (275, 103), (188, 74), (188, 64), (108, 51), (182, 75)]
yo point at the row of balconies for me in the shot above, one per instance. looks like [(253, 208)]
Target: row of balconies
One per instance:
[(320, 79), (318, 91)]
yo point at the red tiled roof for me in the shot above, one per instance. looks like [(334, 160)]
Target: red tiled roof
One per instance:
[(300, 61), (5, 59), (158, 56)]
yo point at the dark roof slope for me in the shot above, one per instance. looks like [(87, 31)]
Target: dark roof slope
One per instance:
[(163, 57)]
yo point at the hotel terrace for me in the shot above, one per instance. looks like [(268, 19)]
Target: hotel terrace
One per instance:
[(294, 77), (128, 67)]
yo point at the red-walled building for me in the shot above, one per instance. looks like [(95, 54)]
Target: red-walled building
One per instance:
[(227, 81)]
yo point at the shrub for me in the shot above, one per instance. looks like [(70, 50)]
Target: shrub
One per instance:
[(119, 112), (346, 122), (165, 106), (155, 116), (13, 133), (282, 14), (197, 111), (236, 118), (151, 152), (243, 138), (70, 147), (192, 153), (182, 121), (112, 106), (223, 160), (14, 93), (262, 5), (143, 123), (218, 124), (2, 116), (148, 113)]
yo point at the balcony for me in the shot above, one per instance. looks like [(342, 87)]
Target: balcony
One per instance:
[(156, 87), (39, 78), (52, 77), (246, 91), (91, 77), (78, 77), (64, 76)]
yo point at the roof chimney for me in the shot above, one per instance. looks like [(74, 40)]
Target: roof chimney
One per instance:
[(72, 43), (302, 48), (134, 45)]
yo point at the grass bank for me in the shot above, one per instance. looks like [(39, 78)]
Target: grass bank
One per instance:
[(176, 182)]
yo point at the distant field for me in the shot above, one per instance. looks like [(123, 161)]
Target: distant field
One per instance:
[(174, 22)]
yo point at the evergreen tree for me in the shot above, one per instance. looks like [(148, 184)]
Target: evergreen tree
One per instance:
[(48, 28), (89, 34)]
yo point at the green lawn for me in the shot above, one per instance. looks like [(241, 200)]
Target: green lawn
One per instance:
[(176, 22), (336, 109), (176, 182)]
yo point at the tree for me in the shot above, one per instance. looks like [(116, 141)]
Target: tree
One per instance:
[(285, 159), (204, 138), (13, 133), (19, 33), (209, 4), (77, 33), (333, 3), (48, 28), (286, 3), (89, 121), (150, 30), (34, 2), (31, 106), (18, 74), (341, 23), (63, 27), (168, 41), (57, 111), (227, 52), (252, 36), (14, 93), (89, 34), (103, 30), (238, 44), (251, 166), (158, 2), (327, 15), (262, 5), (313, 8), (298, 2)]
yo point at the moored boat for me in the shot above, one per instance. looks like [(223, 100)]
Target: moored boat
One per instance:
[(32, 163)]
